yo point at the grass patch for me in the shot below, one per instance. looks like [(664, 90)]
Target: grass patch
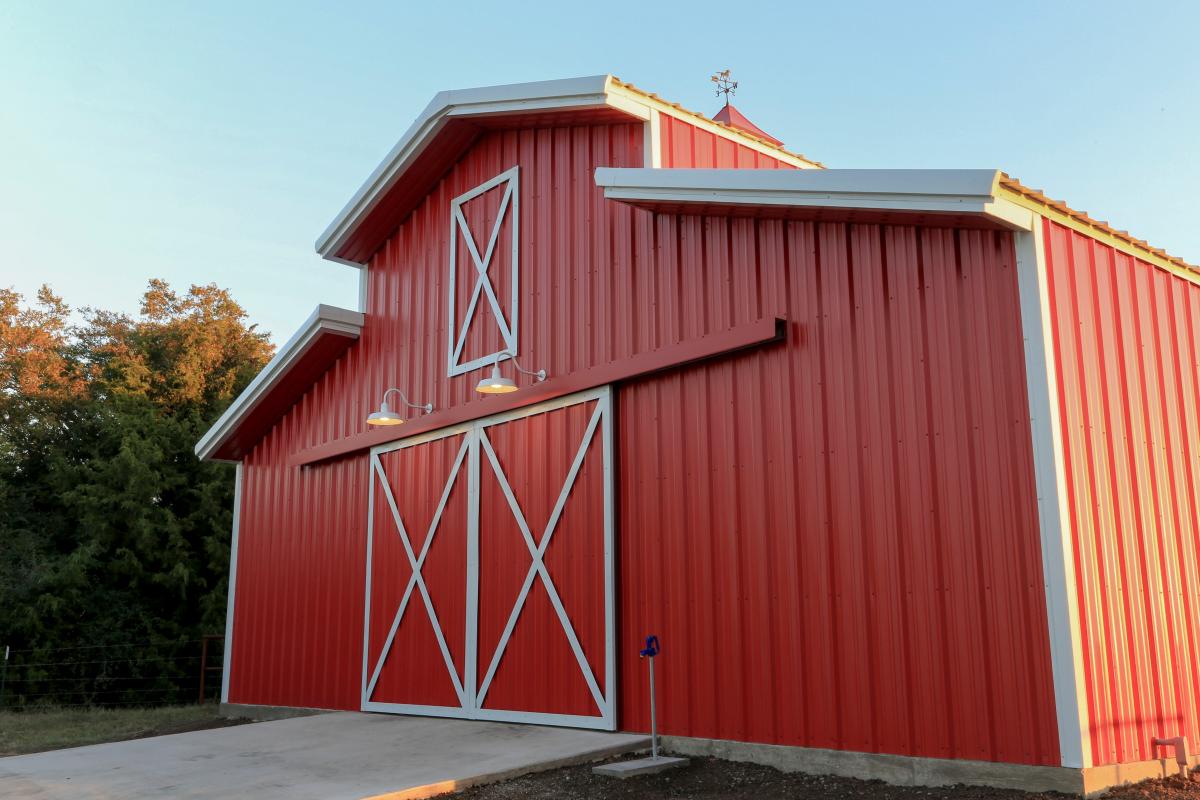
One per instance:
[(51, 729)]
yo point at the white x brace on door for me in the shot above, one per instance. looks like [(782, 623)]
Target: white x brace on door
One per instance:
[(504, 609)]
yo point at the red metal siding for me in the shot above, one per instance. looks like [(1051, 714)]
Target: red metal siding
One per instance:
[(415, 670), (684, 145), (298, 612), (835, 537), (538, 671), (1125, 335), (303, 531)]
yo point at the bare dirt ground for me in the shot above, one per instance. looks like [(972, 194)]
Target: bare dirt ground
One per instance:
[(713, 779)]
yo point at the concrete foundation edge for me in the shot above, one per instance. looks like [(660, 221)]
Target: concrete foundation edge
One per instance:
[(263, 713), (454, 785), (914, 771)]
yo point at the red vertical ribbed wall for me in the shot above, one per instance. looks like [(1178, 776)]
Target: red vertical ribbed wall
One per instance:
[(684, 145), (836, 537), (1127, 339), (302, 551)]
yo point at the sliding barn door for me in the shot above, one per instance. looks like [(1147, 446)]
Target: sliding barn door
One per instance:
[(490, 568)]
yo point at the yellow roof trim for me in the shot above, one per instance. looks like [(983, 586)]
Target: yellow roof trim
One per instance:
[(1060, 212), (676, 110)]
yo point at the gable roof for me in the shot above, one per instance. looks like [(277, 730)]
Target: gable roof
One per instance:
[(452, 121), (324, 336)]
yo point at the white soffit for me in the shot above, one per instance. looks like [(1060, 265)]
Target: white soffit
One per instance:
[(932, 191), (324, 320), (578, 93)]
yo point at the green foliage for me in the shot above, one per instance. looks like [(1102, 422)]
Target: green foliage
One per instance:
[(111, 530)]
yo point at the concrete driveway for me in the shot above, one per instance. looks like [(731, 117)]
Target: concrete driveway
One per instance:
[(340, 755)]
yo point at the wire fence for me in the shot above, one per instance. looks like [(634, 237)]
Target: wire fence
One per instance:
[(149, 673)]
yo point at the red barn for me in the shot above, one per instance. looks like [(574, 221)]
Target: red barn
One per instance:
[(900, 465)]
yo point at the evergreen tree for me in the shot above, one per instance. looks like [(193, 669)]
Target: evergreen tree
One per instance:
[(112, 533)]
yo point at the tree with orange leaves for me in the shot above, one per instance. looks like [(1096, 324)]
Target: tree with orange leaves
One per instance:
[(111, 530)]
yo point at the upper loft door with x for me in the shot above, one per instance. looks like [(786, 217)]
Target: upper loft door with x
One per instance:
[(484, 277)]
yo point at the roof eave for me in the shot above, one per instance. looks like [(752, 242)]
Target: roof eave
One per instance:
[(568, 93), (325, 320), (968, 192)]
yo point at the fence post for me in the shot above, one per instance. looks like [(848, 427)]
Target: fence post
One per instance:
[(3, 675), (203, 666)]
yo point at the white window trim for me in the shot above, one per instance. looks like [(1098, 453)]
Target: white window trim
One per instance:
[(457, 334)]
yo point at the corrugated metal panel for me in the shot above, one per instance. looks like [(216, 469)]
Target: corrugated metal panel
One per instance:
[(304, 530), (837, 539), (1126, 344), (687, 146), (535, 454), (415, 670), (297, 623)]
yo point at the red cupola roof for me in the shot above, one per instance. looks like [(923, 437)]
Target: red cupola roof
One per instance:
[(730, 116)]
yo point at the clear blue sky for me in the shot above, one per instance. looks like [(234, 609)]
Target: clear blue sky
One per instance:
[(212, 142)]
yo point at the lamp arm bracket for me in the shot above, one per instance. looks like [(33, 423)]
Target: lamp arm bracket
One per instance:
[(426, 407), (539, 374)]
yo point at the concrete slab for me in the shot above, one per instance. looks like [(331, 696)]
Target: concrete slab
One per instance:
[(338, 755), (640, 766)]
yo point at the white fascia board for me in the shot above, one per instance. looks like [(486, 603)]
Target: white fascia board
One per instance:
[(939, 191), (589, 92), (324, 319)]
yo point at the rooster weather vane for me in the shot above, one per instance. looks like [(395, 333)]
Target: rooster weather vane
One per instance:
[(725, 86)]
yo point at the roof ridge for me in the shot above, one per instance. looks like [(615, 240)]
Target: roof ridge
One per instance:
[(735, 131)]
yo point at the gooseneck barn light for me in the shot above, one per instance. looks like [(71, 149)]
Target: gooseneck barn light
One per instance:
[(498, 384), (385, 415)]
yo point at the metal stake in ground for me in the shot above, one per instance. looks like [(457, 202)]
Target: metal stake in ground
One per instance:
[(651, 650), (655, 763)]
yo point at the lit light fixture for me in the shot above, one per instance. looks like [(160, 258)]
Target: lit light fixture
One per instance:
[(498, 384), (385, 416)]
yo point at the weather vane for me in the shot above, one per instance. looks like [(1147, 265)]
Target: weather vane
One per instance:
[(725, 86)]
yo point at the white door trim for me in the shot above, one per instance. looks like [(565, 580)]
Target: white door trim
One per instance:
[(537, 551), (475, 446), (375, 476)]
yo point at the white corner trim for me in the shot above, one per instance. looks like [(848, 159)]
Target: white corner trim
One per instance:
[(935, 191), (362, 289), (581, 93), (324, 319), (233, 556), (1058, 563), (652, 138)]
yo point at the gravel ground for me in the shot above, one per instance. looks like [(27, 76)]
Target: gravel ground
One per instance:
[(713, 779)]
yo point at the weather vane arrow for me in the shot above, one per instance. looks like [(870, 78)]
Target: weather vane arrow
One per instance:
[(725, 85)]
